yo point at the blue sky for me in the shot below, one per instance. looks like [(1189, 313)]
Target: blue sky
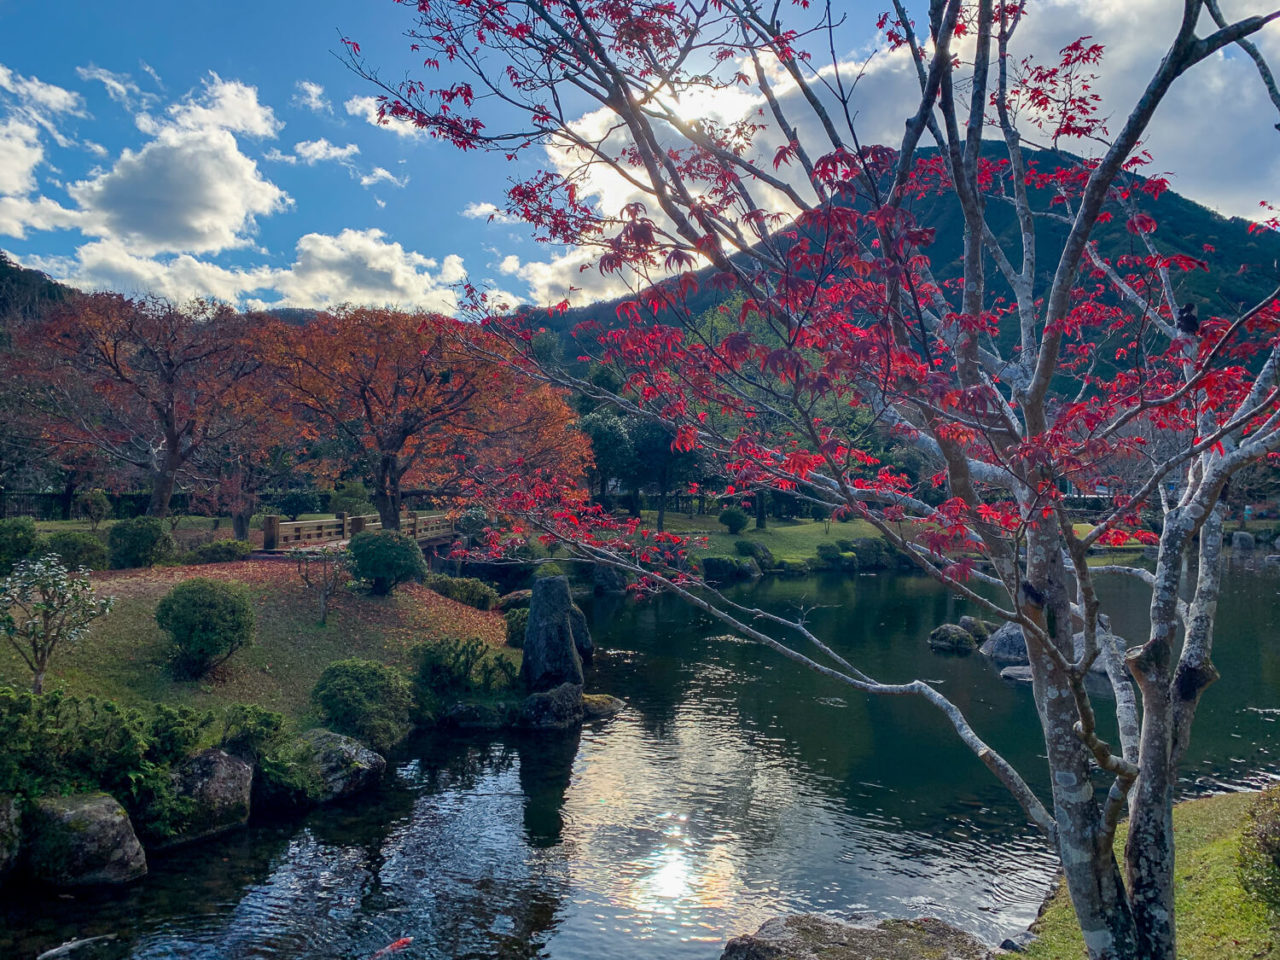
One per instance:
[(224, 150)]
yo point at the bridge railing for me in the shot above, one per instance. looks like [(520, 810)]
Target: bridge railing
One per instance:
[(281, 534)]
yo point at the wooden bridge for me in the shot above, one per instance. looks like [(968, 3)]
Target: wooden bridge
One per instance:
[(279, 534)]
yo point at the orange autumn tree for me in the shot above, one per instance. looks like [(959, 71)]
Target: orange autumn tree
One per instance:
[(423, 408)]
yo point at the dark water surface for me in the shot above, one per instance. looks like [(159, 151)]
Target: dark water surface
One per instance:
[(736, 786)]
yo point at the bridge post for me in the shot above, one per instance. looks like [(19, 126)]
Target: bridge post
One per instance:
[(270, 532), (345, 519), (357, 525)]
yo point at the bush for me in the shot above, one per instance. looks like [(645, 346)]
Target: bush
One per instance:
[(720, 569), (95, 506), (735, 519), (219, 551), (385, 560), (551, 569), (351, 498), (365, 700), (452, 669), (18, 540), (517, 622), (1258, 861), (294, 503), (75, 549), (208, 621), (829, 554), (140, 542), (248, 731), (468, 590)]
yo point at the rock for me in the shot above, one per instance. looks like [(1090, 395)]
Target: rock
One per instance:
[(551, 655), (84, 840), (762, 555), (950, 638), (558, 709), (1243, 540), (514, 599), (1018, 943), (748, 569), (1098, 666), (219, 786), (812, 936), (581, 635), (478, 716), (1016, 674), (976, 628), (608, 579), (793, 568), (598, 706), (720, 569), (10, 834), (346, 766), (1006, 645)]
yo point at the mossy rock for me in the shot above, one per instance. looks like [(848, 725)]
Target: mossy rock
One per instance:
[(817, 937), (793, 568), (497, 715), (599, 706), (980, 630), (952, 638), (346, 765), (720, 569), (84, 840)]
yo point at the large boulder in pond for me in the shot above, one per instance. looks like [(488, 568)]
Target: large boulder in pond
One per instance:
[(976, 628), (581, 635), (551, 655), (1006, 645), (346, 766), (720, 569), (557, 709), (10, 834), (83, 840), (1243, 540), (951, 638), (813, 936), (606, 578), (219, 787)]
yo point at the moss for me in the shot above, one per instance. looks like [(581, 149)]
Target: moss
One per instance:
[(1216, 917)]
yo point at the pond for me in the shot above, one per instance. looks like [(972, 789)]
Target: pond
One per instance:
[(735, 787)]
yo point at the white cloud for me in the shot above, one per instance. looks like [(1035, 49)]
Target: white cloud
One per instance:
[(367, 109), (36, 94), (187, 190), (311, 96), (487, 211), (314, 151), (382, 175), (221, 105), (20, 154), (20, 214), (119, 86)]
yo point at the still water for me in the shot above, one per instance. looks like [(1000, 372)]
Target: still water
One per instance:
[(736, 786)]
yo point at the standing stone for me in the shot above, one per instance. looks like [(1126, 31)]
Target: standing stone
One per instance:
[(581, 635), (1242, 540), (551, 655), (219, 786), (84, 840), (10, 834)]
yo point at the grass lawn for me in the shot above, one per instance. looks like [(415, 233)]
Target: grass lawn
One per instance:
[(787, 539), (124, 654), (1217, 919)]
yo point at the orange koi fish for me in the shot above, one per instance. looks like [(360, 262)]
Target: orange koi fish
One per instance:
[(395, 947)]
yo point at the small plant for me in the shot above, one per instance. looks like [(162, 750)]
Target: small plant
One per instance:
[(365, 700), (219, 551), (75, 549), (95, 506), (735, 518), (517, 622), (18, 541), (208, 621), (385, 560), (248, 731), (140, 542), (468, 590), (322, 572), (43, 606), (450, 669), (1258, 861), (294, 503)]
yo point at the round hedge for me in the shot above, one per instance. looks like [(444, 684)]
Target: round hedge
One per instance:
[(207, 621), (385, 560), (366, 700)]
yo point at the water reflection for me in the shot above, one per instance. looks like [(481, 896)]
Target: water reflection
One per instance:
[(735, 787)]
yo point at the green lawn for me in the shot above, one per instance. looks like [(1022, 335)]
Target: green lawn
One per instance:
[(787, 539), (1217, 919), (124, 655)]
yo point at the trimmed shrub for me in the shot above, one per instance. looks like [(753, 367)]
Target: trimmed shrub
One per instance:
[(219, 551), (734, 518), (468, 590), (75, 549), (1258, 861), (208, 621), (140, 542), (365, 700), (517, 622), (18, 540), (294, 503), (385, 560), (95, 506)]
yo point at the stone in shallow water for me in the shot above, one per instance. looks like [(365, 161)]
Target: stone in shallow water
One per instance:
[(219, 786), (950, 638), (1016, 674), (346, 765), (558, 709), (1006, 645), (84, 840), (815, 937)]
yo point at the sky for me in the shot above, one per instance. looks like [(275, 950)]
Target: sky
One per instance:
[(224, 150)]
